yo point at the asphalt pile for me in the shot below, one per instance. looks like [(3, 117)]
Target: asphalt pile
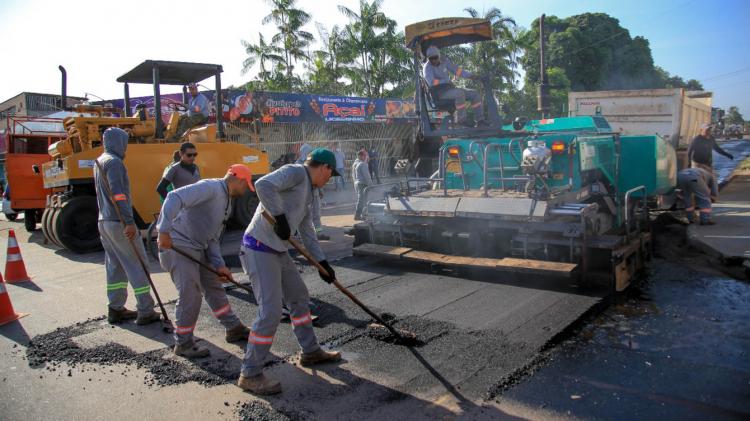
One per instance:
[(257, 411), (52, 349)]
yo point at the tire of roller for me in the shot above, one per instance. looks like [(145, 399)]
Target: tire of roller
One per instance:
[(76, 225)]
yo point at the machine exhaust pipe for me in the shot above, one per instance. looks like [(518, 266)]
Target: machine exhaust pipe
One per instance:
[(64, 93), (542, 94)]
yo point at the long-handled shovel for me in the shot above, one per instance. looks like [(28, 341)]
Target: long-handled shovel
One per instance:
[(166, 324), (402, 337), (210, 269)]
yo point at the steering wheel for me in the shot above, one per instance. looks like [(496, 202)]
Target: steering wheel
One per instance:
[(177, 106)]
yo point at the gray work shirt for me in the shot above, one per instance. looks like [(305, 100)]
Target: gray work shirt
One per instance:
[(440, 74), (180, 176), (194, 216), (361, 173), (117, 176), (288, 191), (201, 102)]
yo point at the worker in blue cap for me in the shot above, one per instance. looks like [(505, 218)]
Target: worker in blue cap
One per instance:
[(287, 195)]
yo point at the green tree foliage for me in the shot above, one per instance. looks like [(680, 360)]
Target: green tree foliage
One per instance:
[(376, 61), (264, 55), (291, 38), (325, 69), (734, 116), (594, 51)]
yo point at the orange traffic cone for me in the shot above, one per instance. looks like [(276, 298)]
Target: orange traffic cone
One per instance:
[(7, 314), (15, 270)]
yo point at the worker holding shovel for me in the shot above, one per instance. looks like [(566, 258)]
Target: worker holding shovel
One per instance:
[(190, 225), (287, 194), (117, 230)]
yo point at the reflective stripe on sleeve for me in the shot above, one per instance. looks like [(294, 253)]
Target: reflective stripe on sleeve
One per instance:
[(119, 197), (435, 82)]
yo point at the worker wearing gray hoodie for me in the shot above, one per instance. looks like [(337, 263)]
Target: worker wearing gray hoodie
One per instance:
[(119, 259)]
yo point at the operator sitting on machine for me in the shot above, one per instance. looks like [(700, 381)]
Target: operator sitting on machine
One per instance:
[(197, 113), (436, 72)]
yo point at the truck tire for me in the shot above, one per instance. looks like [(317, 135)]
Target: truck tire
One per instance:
[(45, 224), (29, 220), (76, 225), (52, 221), (244, 209)]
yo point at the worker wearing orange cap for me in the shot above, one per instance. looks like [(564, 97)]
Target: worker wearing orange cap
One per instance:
[(192, 220)]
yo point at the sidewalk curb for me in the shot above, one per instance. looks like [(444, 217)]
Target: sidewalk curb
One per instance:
[(694, 239)]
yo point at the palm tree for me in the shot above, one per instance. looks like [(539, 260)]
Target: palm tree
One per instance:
[(291, 39), (263, 54), (362, 42), (496, 58)]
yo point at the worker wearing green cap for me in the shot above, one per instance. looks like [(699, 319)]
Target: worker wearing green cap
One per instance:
[(286, 194)]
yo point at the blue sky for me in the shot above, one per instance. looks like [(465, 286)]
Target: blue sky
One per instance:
[(705, 40)]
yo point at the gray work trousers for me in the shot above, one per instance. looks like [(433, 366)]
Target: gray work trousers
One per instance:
[(122, 265), (194, 282), (710, 168), (275, 281), (361, 199), (461, 96)]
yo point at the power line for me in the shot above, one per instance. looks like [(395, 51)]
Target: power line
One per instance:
[(723, 75)]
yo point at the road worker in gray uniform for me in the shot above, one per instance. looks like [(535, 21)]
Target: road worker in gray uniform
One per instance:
[(181, 173), (698, 190), (286, 194), (192, 219), (362, 179), (120, 262), (437, 70)]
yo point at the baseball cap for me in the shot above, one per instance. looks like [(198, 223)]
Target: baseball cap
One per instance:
[(324, 156), (242, 172), (433, 51), (705, 126)]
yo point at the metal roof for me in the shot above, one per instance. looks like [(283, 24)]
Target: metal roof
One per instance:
[(170, 72), (445, 32)]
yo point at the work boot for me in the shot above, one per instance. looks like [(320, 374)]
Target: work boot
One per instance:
[(259, 385), (319, 356), (147, 319), (118, 316), (237, 333), (706, 219), (323, 237), (190, 350)]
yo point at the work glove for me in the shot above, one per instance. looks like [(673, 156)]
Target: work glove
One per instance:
[(331, 273), (281, 227)]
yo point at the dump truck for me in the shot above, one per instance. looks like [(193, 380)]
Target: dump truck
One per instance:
[(567, 197), (70, 212), (674, 114)]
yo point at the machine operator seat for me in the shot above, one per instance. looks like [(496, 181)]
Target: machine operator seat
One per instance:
[(446, 105)]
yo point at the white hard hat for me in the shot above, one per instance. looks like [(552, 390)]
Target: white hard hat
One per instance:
[(433, 51)]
